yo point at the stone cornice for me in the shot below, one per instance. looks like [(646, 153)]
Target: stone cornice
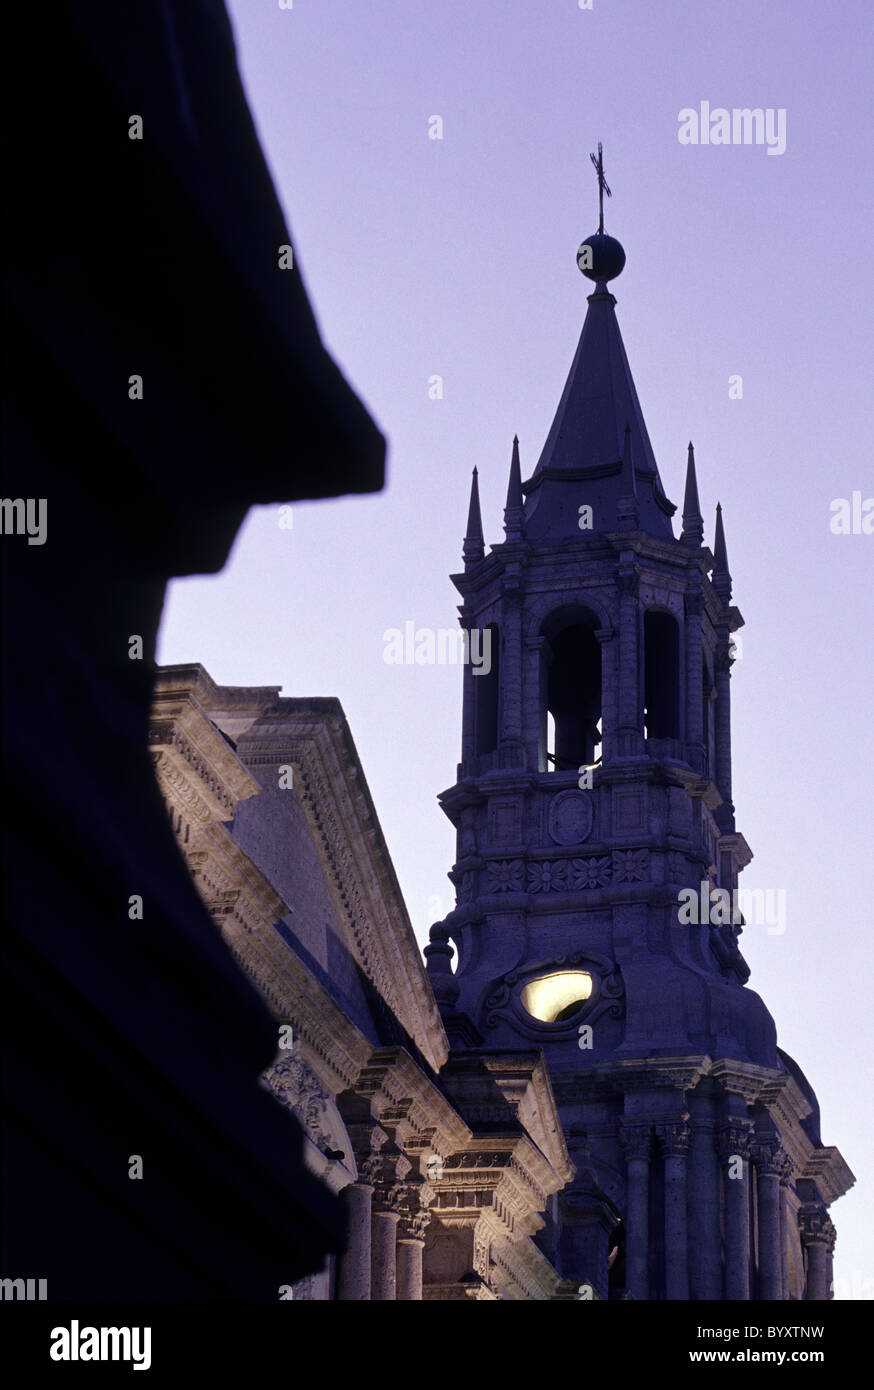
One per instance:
[(508, 1088), (502, 1173), (346, 832), (827, 1167), (736, 845), (190, 745), (220, 868), (401, 1095), (194, 680), (335, 1047), (758, 1085)]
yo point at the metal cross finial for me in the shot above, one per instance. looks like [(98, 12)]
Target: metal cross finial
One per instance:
[(603, 186)]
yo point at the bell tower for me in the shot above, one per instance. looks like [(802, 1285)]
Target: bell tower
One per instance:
[(597, 919)]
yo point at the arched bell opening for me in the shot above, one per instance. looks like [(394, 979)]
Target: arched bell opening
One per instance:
[(571, 694)]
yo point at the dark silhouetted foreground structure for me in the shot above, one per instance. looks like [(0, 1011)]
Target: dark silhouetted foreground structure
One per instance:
[(133, 1035)]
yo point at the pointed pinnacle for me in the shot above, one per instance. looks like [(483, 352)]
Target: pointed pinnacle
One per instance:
[(514, 515), (721, 576), (693, 521), (474, 546)]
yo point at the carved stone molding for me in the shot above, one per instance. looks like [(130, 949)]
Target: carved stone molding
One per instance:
[(293, 1084), (567, 875)]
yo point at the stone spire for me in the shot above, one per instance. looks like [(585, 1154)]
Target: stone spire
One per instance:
[(693, 521), (581, 460), (514, 512), (721, 578), (474, 546)]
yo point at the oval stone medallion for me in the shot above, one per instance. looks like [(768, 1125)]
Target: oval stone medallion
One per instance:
[(570, 818)]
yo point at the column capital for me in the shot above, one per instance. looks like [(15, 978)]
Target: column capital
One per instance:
[(368, 1140), (636, 1140), (673, 1138), (733, 1139), (414, 1199), (769, 1156), (389, 1168), (816, 1227)]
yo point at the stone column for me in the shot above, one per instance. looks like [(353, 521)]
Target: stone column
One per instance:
[(413, 1219), (587, 1229), (630, 702), (767, 1157), (722, 663), (674, 1142), (393, 1168), (510, 674), (817, 1236), (733, 1147), (353, 1275), (409, 1287), (637, 1143), (785, 1217), (705, 1239), (694, 722), (609, 694), (534, 702), (468, 714), (383, 1256), (829, 1261)]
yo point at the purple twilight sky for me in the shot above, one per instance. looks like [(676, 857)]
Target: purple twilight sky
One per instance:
[(455, 257)]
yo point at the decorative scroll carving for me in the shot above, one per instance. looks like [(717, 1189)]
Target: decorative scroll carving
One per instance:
[(295, 1086)]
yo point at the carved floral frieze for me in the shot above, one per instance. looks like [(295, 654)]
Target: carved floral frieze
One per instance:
[(567, 875)]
